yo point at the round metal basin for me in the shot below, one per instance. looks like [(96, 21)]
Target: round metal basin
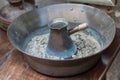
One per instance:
[(31, 21)]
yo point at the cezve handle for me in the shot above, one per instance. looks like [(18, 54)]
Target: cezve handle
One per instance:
[(78, 28)]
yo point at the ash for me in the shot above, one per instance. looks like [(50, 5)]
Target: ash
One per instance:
[(86, 46)]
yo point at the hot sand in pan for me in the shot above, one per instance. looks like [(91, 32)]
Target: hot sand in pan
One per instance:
[(85, 42)]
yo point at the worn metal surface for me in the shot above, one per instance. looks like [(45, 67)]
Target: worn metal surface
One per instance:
[(29, 22)]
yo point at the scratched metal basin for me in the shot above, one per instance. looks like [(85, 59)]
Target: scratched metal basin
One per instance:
[(31, 21)]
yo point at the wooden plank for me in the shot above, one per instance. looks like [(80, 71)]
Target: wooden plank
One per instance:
[(5, 46), (15, 67)]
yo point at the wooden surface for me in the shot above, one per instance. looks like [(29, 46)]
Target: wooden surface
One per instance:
[(13, 66), (5, 46)]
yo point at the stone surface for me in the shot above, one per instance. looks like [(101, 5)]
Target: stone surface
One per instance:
[(114, 73), (42, 3), (3, 2)]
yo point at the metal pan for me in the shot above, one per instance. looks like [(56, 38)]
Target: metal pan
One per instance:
[(31, 21)]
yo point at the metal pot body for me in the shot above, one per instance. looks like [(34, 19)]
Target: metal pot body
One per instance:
[(11, 11), (62, 68), (31, 21)]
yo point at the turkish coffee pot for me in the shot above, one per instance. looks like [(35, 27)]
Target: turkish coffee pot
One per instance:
[(11, 11), (60, 44)]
